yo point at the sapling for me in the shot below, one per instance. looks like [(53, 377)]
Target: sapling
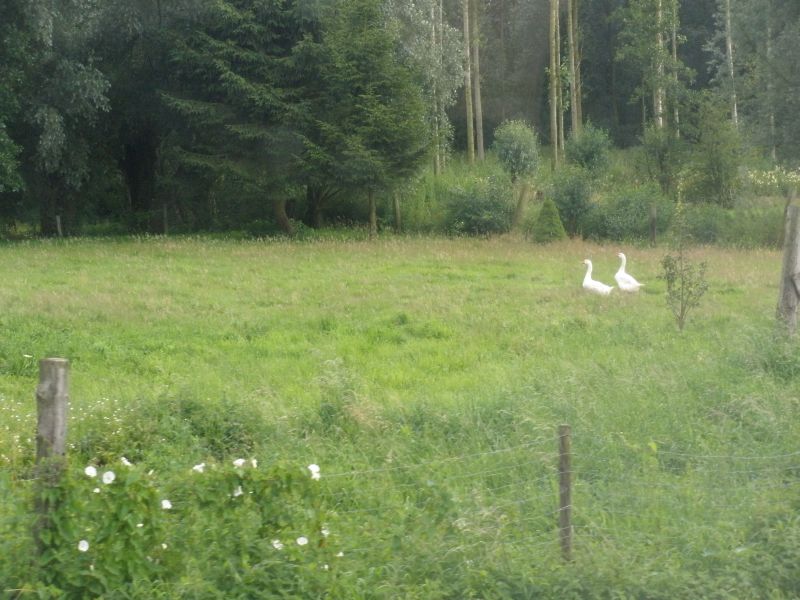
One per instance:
[(686, 281)]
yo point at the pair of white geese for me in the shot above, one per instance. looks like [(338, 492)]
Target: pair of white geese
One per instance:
[(624, 280)]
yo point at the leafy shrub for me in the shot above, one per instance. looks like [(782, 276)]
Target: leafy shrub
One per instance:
[(741, 227), (548, 226), (590, 149), (625, 214), (480, 206), (663, 157), (517, 148), (716, 154), (571, 192)]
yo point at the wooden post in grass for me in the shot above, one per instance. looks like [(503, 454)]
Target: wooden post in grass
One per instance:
[(58, 226), (166, 222), (52, 403), (789, 296), (565, 490), (653, 224)]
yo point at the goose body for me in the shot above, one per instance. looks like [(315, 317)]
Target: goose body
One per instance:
[(624, 280), (590, 285)]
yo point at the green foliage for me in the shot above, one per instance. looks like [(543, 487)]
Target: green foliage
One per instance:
[(548, 226), (663, 157), (590, 149), (713, 170), (571, 192), (623, 214), (746, 226), (480, 206), (517, 148)]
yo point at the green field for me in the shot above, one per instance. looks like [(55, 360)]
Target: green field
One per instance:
[(427, 378)]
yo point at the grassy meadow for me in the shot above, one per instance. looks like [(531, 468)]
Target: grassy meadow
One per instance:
[(427, 379)]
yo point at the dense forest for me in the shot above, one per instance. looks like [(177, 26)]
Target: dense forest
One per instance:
[(278, 115)]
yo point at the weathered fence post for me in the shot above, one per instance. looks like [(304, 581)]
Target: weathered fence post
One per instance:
[(789, 296), (165, 219), (52, 403), (565, 490), (58, 226), (653, 224)]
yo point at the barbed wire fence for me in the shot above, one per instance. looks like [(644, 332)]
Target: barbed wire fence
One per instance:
[(555, 502), (555, 493)]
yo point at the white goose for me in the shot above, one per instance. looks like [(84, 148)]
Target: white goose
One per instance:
[(625, 281), (593, 286)]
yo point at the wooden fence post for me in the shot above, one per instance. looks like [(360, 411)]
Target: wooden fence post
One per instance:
[(565, 490), (653, 224), (789, 296), (58, 226), (52, 403)]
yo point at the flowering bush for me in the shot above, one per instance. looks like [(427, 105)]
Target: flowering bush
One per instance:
[(115, 528), (774, 182)]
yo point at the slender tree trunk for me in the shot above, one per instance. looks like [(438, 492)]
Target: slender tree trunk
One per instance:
[(373, 215), (519, 211), (503, 59), (468, 84), (398, 217), (573, 68), (576, 34), (676, 114), (475, 34), (560, 83), (279, 210), (442, 116), (771, 87), (729, 59), (554, 81), (658, 91), (437, 165)]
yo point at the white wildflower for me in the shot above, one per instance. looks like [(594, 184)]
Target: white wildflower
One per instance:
[(199, 468), (164, 546), (302, 540), (238, 463), (126, 462), (314, 471), (339, 554), (254, 462), (83, 545), (238, 491), (325, 531), (96, 490), (108, 477), (277, 545), (140, 525), (90, 471), (166, 504)]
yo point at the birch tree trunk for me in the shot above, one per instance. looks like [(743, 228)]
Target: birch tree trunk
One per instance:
[(658, 90), (573, 67), (554, 81), (676, 115), (560, 82), (770, 86), (468, 84), (440, 26), (578, 86), (475, 34), (729, 59), (437, 164)]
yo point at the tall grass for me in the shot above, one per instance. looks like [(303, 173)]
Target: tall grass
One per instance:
[(426, 377)]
